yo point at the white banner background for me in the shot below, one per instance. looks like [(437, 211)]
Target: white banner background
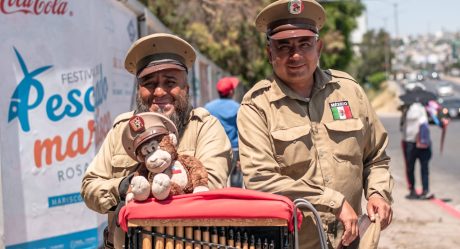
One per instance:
[(79, 47)]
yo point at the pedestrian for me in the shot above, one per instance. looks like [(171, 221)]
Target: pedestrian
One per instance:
[(312, 133), (225, 109), (160, 63), (417, 145)]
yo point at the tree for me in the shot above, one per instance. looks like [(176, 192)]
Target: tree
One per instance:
[(224, 31), (375, 52), (340, 22)]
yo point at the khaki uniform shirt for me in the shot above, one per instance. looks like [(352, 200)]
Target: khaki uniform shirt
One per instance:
[(294, 147), (204, 138)]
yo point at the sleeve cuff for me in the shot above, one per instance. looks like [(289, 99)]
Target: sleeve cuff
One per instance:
[(382, 194), (333, 199)]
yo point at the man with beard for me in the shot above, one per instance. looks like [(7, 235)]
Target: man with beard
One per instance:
[(312, 133), (160, 63)]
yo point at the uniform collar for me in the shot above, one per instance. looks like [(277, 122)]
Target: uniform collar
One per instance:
[(280, 90)]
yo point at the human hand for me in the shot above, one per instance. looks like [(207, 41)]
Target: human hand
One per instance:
[(349, 220), (377, 205)]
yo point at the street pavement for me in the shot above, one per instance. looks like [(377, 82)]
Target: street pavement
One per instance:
[(424, 224)]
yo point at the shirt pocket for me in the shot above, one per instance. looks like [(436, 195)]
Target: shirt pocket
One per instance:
[(122, 165), (346, 138), (292, 146)]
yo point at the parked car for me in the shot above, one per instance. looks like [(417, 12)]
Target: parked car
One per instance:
[(451, 107), (445, 89)]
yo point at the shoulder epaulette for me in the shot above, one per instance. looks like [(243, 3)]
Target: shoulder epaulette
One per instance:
[(257, 89), (340, 75), (122, 117), (200, 113), (263, 84)]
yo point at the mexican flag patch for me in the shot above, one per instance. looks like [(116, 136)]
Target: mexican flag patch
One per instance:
[(341, 110)]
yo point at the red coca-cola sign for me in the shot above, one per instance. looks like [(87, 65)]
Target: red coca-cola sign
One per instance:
[(34, 7)]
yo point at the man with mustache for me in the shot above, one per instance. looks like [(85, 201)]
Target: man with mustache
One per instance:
[(311, 133), (160, 63)]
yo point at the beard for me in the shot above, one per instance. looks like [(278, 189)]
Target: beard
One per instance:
[(179, 117)]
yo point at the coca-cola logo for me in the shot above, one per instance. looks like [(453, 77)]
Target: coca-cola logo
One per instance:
[(35, 7)]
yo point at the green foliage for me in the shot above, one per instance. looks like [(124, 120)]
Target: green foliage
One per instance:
[(375, 80), (340, 22), (224, 31), (375, 53)]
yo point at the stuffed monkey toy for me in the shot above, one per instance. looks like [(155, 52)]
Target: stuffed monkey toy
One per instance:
[(151, 139)]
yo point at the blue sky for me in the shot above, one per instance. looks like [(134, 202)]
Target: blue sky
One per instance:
[(414, 16)]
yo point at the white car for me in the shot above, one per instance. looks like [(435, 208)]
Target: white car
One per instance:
[(411, 85), (445, 89)]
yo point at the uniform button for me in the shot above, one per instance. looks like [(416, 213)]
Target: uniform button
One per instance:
[(332, 204), (326, 179)]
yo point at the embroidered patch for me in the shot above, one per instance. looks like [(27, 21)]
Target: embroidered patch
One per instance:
[(341, 110), (136, 123), (295, 7)]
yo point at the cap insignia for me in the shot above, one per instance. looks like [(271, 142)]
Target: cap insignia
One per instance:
[(136, 123), (295, 7)]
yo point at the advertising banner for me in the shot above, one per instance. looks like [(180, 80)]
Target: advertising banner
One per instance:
[(63, 82)]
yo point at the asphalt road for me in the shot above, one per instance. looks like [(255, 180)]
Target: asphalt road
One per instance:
[(444, 168)]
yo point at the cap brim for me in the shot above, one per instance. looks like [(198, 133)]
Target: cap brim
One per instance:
[(286, 34), (159, 43), (152, 69)]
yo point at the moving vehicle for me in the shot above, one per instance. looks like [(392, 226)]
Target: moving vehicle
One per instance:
[(445, 89), (451, 107)]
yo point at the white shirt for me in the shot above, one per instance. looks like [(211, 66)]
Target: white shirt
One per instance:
[(415, 116)]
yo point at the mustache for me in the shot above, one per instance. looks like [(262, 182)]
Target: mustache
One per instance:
[(180, 116)]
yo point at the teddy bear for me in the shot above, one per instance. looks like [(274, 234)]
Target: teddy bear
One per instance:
[(151, 139)]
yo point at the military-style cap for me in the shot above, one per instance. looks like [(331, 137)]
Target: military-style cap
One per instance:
[(142, 127), (369, 232), (158, 52), (291, 18)]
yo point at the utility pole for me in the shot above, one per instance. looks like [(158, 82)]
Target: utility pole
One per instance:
[(387, 51), (395, 4)]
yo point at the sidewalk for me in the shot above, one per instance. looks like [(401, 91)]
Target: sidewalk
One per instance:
[(421, 224)]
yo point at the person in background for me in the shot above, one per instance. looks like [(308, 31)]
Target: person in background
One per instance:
[(160, 63), (225, 109), (416, 145), (416, 141), (312, 133)]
